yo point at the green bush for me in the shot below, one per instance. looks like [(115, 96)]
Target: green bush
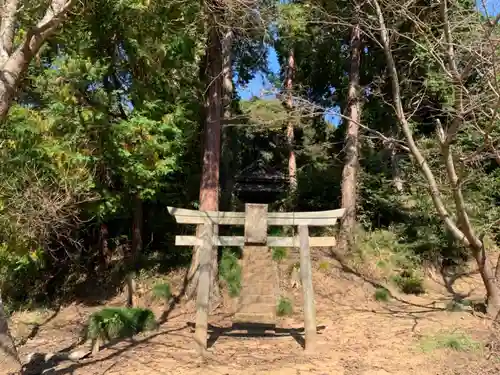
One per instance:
[(285, 307), (381, 295), (22, 277), (118, 322), (409, 283), (230, 272)]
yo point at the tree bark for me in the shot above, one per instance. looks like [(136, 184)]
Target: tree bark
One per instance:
[(351, 164), (135, 250), (290, 131), (397, 179), (497, 271), (103, 246), (13, 63), (209, 186), (227, 167)]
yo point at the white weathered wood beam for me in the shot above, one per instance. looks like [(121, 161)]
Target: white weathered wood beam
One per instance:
[(318, 218), (271, 241)]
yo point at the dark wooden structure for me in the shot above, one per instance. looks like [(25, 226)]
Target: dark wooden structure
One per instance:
[(260, 183)]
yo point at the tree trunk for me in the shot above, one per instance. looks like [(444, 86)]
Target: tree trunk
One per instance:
[(227, 167), (135, 251), (351, 165), (9, 359), (12, 71), (489, 281), (497, 271), (103, 246), (209, 185), (290, 134), (397, 179)]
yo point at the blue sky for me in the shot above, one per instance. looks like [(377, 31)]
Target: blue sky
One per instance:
[(259, 84)]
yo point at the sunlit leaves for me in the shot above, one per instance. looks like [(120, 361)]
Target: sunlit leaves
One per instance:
[(145, 151), (293, 19)]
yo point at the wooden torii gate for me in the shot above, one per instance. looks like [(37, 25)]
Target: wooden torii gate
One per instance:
[(256, 220)]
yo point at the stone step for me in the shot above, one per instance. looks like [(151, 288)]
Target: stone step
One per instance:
[(264, 277), (257, 308), (268, 299), (257, 302), (262, 318), (258, 289)]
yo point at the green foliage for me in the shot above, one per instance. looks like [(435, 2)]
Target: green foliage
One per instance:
[(98, 119), (279, 253), (230, 272), (383, 249), (284, 307), (292, 19), (145, 151), (266, 113), (111, 323), (409, 283), (21, 277), (382, 295), (162, 291)]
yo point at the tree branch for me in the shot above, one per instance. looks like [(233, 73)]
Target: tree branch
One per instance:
[(9, 10), (54, 15), (405, 126)]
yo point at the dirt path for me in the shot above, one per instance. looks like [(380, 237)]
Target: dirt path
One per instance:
[(359, 336)]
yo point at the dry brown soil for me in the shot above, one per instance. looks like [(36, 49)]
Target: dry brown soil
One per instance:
[(358, 336)]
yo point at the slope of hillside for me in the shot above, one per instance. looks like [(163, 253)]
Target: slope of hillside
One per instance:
[(406, 335)]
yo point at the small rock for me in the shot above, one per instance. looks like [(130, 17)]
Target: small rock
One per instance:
[(78, 354), (30, 357), (49, 356)]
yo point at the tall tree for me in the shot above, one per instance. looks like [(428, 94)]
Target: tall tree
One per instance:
[(350, 171), (290, 128), (227, 47), (209, 185), (227, 170)]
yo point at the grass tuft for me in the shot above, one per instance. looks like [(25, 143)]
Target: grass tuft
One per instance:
[(279, 253), (284, 307), (162, 291), (118, 322), (457, 341), (381, 295), (230, 272)]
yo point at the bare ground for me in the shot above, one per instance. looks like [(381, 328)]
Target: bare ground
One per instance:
[(358, 336)]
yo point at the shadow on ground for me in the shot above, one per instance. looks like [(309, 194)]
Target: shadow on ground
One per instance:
[(39, 364), (254, 330)]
